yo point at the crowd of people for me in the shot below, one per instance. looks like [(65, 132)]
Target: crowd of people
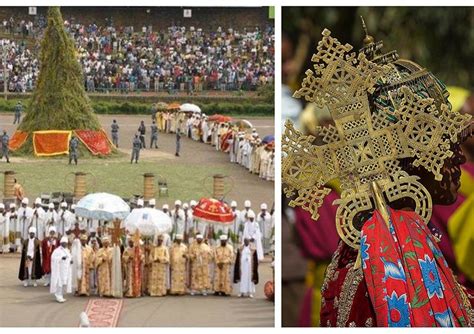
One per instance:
[(70, 252), (126, 59), (240, 141)]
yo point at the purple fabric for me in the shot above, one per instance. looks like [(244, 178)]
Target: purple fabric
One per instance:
[(306, 309), (319, 238)]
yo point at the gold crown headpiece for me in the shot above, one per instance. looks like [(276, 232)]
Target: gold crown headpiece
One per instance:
[(365, 146)]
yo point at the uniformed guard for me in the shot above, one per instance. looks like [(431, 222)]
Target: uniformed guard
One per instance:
[(137, 145), (73, 146), (115, 128), (18, 110), (154, 135), (142, 131), (178, 141), (5, 142)]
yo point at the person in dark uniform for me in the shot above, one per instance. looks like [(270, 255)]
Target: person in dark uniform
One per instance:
[(5, 143), (154, 135), (18, 110), (115, 128), (178, 142), (136, 146), (142, 131), (73, 146)]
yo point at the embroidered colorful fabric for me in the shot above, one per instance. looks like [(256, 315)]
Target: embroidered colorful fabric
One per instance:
[(51, 142), (17, 140), (408, 280), (96, 142)]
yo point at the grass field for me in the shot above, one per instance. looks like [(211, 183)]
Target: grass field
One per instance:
[(116, 176)]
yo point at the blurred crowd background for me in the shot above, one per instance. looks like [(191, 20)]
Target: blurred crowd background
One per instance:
[(440, 39)]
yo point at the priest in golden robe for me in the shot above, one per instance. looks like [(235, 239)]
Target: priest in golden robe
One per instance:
[(87, 264), (200, 255), (159, 259), (224, 256), (178, 258), (132, 260), (103, 263)]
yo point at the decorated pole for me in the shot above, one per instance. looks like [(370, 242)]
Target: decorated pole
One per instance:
[(8, 184), (79, 185), (218, 188), (148, 186)]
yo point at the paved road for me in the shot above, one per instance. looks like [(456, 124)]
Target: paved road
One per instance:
[(35, 307)]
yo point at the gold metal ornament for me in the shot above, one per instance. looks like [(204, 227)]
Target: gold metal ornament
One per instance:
[(382, 113)]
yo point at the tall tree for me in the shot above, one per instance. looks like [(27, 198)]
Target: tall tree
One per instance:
[(59, 101)]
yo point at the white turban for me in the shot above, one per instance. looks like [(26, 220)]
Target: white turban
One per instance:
[(152, 201), (73, 207), (233, 204), (52, 229), (250, 214), (51, 205), (165, 206), (263, 206), (193, 203), (63, 205), (25, 201), (178, 236), (64, 240), (247, 204), (185, 206), (199, 236), (12, 205), (223, 237), (32, 229), (38, 200), (140, 202), (177, 202), (2, 206)]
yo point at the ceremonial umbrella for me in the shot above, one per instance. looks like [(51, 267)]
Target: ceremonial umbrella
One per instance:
[(189, 107), (268, 139), (174, 106), (161, 106), (219, 118), (213, 211), (148, 221), (102, 206), (244, 124)]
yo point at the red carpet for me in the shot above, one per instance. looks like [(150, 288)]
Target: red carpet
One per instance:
[(104, 312)]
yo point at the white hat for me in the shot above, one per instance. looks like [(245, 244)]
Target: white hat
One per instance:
[(166, 206), (250, 214), (254, 130), (25, 201), (254, 134), (64, 240), (223, 237), (233, 204), (193, 203), (51, 205), (38, 200), (263, 206), (152, 202), (2, 206), (52, 229), (32, 229), (177, 202), (185, 206), (73, 206), (12, 205), (199, 236), (178, 236), (140, 202), (247, 204), (63, 205)]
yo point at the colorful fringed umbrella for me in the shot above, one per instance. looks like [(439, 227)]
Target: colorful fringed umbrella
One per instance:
[(219, 118), (212, 211)]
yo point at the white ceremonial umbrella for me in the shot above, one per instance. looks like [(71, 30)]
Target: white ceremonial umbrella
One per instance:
[(189, 107), (102, 206), (148, 221)]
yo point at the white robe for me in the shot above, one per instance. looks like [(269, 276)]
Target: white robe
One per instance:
[(61, 270), (266, 226), (39, 223), (178, 221), (12, 223), (24, 221), (246, 284), (65, 221), (4, 232), (51, 219), (252, 231)]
